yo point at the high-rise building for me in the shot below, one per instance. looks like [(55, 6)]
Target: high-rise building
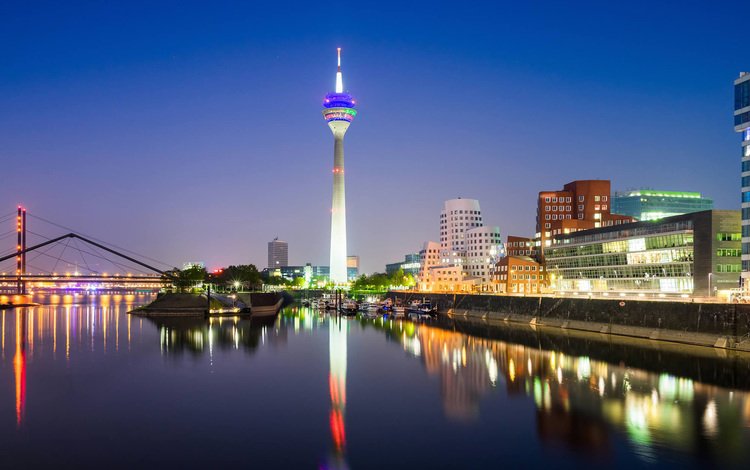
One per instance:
[(650, 204), (742, 125), (278, 253), (580, 205), (352, 267), (339, 112)]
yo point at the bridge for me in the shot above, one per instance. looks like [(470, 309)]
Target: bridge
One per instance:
[(87, 270)]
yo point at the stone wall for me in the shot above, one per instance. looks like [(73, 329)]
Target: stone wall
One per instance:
[(718, 320)]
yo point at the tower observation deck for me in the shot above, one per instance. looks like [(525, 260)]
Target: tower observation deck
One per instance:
[(338, 112)]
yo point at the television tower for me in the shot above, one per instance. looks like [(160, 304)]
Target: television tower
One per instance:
[(339, 112)]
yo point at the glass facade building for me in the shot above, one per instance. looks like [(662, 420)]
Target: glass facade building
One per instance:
[(695, 253), (742, 125), (410, 265), (649, 204)]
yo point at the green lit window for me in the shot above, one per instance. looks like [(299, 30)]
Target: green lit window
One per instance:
[(728, 237), (723, 252)]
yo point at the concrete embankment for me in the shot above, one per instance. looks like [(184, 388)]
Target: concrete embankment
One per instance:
[(196, 305), (704, 324), (177, 305)]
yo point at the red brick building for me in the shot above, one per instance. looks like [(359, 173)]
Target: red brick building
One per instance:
[(580, 205), (519, 275), (520, 246)]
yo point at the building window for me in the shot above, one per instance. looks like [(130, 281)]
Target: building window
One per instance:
[(554, 199), (546, 199), (596, 198), (604, 198), (580, 198), (580, 207), (547, 225)]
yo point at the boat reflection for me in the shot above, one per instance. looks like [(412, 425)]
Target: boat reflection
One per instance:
[(196, 335)]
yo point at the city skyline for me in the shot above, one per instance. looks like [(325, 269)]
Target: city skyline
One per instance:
[(145, 118)]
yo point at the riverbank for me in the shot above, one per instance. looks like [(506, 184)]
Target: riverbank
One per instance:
[(724, 326), (245, 303)]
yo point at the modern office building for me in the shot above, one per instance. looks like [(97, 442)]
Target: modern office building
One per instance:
[(339, 112), (278, 253), (518, 275), (694, 254), (650, 204), (193, 264), (580, 205), (352, 267), (290, 273), (742, 125), (410, 265)]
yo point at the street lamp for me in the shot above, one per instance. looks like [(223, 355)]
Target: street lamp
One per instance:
[(710, 293)]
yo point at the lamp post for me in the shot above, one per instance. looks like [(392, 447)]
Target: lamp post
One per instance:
[(710, 292)]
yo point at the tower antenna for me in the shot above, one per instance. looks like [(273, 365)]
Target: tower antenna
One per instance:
[(339, 76)]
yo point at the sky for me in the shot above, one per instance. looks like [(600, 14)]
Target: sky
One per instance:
[(192, 131)]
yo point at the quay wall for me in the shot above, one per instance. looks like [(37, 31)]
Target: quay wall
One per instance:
[(707, 324)]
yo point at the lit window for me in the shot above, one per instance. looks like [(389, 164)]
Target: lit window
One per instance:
[(596, 198), (597, 207)]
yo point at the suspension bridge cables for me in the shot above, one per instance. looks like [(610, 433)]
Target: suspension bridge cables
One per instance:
[(140, 255)]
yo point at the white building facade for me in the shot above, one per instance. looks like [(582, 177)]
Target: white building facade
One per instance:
[(468, 247)]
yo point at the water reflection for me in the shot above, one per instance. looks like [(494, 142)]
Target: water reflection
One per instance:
[(196, 335), (38, 326), (582, 394), (337, 352), (580, 400)]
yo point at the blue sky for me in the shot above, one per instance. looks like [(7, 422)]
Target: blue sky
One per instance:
[(192, 130)]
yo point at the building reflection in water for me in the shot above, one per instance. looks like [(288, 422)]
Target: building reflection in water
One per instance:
[(338, 328), (579, 401)]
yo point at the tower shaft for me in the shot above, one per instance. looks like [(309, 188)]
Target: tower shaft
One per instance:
[(338, 273)]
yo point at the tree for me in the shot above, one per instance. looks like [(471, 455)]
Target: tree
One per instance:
[(244, 276), (187, 278)]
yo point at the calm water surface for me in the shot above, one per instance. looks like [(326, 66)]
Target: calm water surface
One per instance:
[(83, 384)]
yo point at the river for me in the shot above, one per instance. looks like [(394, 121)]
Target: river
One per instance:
[(84, 384)]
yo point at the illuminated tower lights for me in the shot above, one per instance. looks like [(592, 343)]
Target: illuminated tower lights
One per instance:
[(339, 112)]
